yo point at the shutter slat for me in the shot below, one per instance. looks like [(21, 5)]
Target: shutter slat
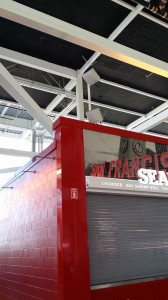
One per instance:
[(128, 237)]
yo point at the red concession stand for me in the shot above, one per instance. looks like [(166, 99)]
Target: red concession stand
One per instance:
[(87, 219)]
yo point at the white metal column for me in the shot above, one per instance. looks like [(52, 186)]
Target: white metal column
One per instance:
[(79, 98)]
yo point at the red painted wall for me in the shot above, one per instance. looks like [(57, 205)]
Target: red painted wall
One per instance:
[(43, 229), (28, 235)]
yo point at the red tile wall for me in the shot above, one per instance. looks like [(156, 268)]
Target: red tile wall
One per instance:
[(28, 235)]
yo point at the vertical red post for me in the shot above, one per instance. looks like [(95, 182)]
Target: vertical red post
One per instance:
[(72, 215)]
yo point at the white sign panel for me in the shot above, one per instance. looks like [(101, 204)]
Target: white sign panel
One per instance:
[(114, 185)]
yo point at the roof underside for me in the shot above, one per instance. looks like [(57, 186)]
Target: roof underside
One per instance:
[(125, 92)]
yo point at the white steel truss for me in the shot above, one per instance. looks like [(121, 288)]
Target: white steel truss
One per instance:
[(10, 84), (37, 20), (93, 42), (36, 63)]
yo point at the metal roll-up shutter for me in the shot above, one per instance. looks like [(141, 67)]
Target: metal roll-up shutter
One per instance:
[(128, 237)]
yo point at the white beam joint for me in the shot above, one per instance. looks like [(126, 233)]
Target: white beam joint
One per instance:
[(69, 86), (10, 84)]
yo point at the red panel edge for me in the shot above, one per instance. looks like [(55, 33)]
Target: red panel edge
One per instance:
[(151, 290), (109, 130), (73, 255)]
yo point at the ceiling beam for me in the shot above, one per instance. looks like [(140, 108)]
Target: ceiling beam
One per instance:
[(156, 134), (149, 115), (150, 120), (67, 109), (22, 124), (71, 84), (37, 20), (10, 84), (36, 63), (131, 16), (44, 87), (71, 95), (112, 83), (13, 152), (68, 87), (115, 108), (129, 89), (25, 125), (114, 34), (153, 122)]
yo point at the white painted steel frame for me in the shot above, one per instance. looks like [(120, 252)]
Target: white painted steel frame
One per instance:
[(44, 87), (10, 84), (37, 20), (36, 63), (71, 84)]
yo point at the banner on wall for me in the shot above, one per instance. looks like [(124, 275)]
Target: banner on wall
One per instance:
[(122, 158)]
